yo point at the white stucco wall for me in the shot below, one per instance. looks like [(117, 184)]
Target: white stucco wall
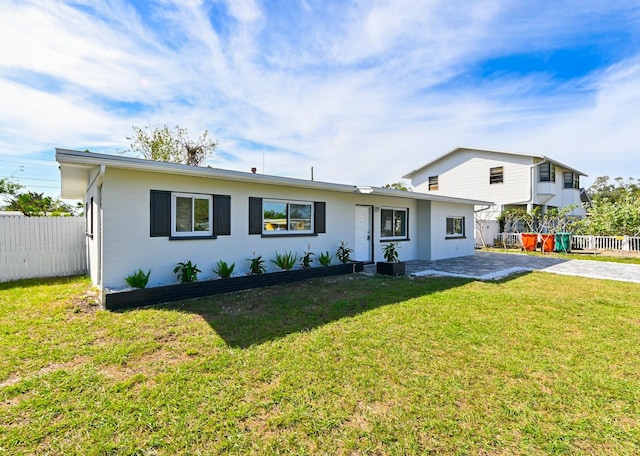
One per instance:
[(128, 246), (441, 245)]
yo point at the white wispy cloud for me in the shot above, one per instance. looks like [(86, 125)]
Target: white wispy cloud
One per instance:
[(362, 91)]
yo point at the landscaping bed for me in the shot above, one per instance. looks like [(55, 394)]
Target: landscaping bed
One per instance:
[(146, 296)]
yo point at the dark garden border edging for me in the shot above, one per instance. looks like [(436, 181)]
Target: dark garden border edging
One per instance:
[(176, 292)]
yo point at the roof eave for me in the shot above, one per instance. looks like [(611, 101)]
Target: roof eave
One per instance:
[(518, 154), (381, 191), (71, 160), (65, 156)]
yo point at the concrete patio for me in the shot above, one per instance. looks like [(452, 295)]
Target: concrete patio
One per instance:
[(495, 265)]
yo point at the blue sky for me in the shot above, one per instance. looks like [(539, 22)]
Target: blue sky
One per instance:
[(362, 91)]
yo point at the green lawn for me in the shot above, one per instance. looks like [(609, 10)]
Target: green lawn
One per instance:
[(627, 257), (536, 364)]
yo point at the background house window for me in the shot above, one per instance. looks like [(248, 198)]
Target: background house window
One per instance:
[(455, 227), (279, 217), (547, 172), (433, 182), (571, 180), (192, 214), (496, 175), (393, 223)]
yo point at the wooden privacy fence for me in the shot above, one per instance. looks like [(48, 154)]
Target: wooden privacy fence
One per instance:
[(41, 247)]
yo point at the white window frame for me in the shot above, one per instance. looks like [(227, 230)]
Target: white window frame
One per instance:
[(575, 180), (552, 172), (462, 227), (406, 223), (286, 229), (496, 175), (192, 233)]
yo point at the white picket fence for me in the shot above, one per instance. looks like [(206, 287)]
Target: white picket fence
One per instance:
[(622, 243), (41, 247)]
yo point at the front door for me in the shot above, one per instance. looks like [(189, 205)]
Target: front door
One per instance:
[(364, 231)]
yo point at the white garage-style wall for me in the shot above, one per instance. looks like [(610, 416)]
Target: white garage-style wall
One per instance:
[(127, 244), (444, 245)]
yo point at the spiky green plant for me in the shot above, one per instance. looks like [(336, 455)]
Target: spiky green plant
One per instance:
[(138, 279), (285, 261), (325, 258), (224, 270)]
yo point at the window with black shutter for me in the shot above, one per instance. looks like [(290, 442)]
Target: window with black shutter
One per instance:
[(180, 215), (277, 217)]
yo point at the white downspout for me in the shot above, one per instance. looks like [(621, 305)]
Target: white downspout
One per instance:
[(532, 167), (98, 229)]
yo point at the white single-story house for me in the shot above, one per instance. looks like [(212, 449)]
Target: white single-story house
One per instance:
[(143, 214)]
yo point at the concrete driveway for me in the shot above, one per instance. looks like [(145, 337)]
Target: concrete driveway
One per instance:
[(494, 265)]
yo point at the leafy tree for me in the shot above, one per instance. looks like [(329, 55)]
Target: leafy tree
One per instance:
[(36, 204), (554, 220), (512, 220), (618, 218), (172, 145), (615, 208), (605, 190), (397, 186), (8, 188)]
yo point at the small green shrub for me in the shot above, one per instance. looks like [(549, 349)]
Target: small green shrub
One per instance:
[(325, 258), (186, 272), (224, 270), (257, 264), (285, 261), (138, 279), (344, 253), (307, 258), (390, 252)]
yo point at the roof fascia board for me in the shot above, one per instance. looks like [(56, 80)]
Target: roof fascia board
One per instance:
[(90, 159), (503, 152), (71, 157), (381, 191), (562, 165)]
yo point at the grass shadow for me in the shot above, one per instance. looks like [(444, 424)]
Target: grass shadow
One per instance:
[(256, 316)]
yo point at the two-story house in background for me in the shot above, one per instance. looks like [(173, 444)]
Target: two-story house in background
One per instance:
[(508, 179)]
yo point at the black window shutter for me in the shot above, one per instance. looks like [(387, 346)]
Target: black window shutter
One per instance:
[(91, 212), (221, 215), (320, 222), (255, 215), (160, 213), (407, 224)]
